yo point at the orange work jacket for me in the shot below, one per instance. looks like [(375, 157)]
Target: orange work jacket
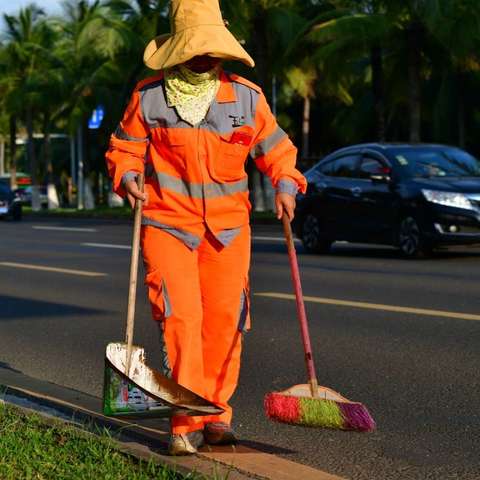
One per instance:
[(194, 175)]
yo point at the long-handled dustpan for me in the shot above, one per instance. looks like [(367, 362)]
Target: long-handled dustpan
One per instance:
[(131, 387)]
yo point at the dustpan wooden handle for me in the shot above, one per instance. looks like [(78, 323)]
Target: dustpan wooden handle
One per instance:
[(302, 315), (132, 291)]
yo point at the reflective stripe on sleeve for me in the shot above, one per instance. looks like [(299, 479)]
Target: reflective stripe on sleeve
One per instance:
[(287, 186), (263, 147), (129, 176)]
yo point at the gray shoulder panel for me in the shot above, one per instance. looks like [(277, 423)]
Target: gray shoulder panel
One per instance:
[(154, 106), (225, 117)]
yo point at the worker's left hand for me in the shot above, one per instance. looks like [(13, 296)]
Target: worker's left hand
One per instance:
[(284, 202)]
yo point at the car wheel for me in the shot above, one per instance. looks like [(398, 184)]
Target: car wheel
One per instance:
[(410, 239), (312, 235)]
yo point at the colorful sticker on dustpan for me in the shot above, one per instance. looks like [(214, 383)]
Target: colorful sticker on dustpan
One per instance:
[(121, 397)]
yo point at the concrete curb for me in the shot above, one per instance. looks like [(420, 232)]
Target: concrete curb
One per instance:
[(147, 439)]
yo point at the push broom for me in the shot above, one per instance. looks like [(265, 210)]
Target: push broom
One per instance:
[(310, 404)]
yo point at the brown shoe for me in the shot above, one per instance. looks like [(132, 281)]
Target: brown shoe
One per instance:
[(219, 433)]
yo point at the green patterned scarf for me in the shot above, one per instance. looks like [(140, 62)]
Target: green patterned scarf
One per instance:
[(191, 93)]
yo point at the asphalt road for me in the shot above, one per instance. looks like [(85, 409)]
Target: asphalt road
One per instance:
[(417, 372)]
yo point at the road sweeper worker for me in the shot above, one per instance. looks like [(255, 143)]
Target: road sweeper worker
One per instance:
[(190, 129)]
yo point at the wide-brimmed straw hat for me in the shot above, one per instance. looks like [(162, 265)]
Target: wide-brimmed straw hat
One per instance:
[(197, 29)]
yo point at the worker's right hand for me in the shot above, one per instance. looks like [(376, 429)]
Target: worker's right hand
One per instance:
[(133, 193)]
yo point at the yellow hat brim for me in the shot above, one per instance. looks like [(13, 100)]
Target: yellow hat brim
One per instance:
[(166, 51)]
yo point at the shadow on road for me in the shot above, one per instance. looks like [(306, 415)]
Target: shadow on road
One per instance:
[(6, 366), (266, 448), (16, 307)]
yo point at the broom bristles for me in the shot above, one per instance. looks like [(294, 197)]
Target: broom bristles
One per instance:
[(318, 412)]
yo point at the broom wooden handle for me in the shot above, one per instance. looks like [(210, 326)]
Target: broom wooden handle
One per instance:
[(302, 315), (132, 291)]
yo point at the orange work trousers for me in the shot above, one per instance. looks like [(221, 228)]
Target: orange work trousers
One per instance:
[(200, 297)]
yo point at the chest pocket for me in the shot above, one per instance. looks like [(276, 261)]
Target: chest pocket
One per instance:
[(175, 143), (229, 164)]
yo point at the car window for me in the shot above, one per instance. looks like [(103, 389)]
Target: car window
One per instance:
[(371, 166), (344, 166), (428, 162)]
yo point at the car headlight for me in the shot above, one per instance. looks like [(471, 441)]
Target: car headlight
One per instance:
[(450, 199)]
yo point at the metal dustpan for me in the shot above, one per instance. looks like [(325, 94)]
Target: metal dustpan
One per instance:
[(131, 387), (145, 392)]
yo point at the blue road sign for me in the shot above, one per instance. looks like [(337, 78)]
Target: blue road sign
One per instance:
[(96, 118)]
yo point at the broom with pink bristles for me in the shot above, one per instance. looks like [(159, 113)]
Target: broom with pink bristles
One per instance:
[(310, 404)]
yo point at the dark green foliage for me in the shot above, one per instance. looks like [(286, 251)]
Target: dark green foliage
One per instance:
[(349, 62)]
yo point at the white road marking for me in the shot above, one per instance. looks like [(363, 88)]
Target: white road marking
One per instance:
[(64, 229), (107, 245), (272, 239), (375, 306), (44, 268)]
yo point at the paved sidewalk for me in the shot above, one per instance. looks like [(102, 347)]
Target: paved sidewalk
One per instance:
[(148, 438)]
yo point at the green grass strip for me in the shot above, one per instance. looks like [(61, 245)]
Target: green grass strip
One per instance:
[(30, 448), (316, 412)]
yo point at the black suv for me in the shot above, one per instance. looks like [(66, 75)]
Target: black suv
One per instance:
[(415, 197)]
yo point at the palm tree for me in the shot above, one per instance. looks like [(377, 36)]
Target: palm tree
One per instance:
[(353, 31), (11, 104), (254, 23), (145, 19), (92, 36), (24, 34), (258, 24), (271, 30), (455, 24)]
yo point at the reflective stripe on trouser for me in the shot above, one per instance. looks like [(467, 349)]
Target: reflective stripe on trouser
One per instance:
[(202, 314)]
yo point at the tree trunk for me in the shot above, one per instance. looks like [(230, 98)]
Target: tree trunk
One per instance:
[(378, 91), (461, 108), (260, 47), (80, 168), (47, 158), (36, 204), (31, 147), (306, 128), (414, 40), (274, 95), (13, 152), (260, 50), (52, 194)]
